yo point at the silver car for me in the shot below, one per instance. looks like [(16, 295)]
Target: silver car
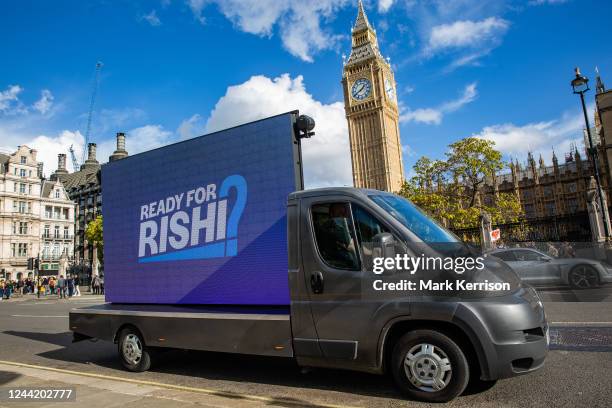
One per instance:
[(537, 268)]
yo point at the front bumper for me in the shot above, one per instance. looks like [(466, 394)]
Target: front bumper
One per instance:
[(512, 332)]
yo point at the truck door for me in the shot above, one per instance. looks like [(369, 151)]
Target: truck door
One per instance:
[(333, 269)]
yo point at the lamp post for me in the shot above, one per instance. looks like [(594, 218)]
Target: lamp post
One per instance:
[(580, 85)]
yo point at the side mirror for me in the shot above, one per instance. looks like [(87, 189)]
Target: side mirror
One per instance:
[(544, 259), (383, 245)]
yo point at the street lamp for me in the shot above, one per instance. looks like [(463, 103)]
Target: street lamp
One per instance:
[(580, 85)]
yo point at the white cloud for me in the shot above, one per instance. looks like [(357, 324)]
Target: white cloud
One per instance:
[(192, 127), (326, 155), (50, 146), (152, 18), (429, 116), (43, 105), (138, 140), (538, 137), (197, 8), (385, 5), (9, 98), (254, 16), (299, 22), (541, 2), (433, 116), (469, 94), (466, 33)]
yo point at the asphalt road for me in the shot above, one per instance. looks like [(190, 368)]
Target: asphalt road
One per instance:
[(577, 372)]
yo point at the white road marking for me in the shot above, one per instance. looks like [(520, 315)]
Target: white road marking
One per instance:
[(37, 316), (590, 324)]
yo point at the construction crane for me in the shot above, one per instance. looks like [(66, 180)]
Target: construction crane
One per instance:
[(92, 102), (75, 162)]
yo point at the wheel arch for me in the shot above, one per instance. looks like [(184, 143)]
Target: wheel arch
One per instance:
[(124, 326), (456, 330)]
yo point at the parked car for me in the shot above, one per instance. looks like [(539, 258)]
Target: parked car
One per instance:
[(537, 268)]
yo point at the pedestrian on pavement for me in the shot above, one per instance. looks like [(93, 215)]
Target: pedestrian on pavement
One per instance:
[(2, 289), (95, 284), (39, 287), (70, 284), (52, 285), (102, 284), (77, 290), (61, 287)]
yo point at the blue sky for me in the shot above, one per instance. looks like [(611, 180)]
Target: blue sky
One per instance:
[(175, 69)]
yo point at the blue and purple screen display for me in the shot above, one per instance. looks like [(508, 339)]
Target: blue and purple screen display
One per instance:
[(202, 221)]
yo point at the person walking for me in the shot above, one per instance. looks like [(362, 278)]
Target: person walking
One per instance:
[(20, 285), (95, 285), (77, 282), (70, 284), (39, 287), (61, 287), (102, 285), (52, 285)]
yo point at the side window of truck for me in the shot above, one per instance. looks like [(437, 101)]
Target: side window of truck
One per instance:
[(335, 235), (367, 227)]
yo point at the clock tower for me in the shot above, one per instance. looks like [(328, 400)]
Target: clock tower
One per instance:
[(370, 102)]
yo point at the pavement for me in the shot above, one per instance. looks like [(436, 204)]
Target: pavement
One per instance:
[(36, 350)]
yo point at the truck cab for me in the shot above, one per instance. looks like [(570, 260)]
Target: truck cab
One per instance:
[(432, 343)]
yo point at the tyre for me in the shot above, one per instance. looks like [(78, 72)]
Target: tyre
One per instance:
[(429, 366), (583, 277), (135, 356)]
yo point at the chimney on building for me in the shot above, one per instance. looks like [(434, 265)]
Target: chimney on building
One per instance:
[(61, 167), (61, 164), (39, 169), (91, 152), (91, 161), (120, 153)]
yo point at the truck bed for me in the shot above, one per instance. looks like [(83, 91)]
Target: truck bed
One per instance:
[(258, 330)]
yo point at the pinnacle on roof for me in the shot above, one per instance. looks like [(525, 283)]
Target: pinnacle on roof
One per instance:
[(362, 22), (600, 88)]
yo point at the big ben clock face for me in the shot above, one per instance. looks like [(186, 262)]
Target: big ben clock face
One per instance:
[(361, 89), (389, 89)]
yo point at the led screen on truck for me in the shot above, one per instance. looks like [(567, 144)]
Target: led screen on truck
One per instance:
[(202, 221)]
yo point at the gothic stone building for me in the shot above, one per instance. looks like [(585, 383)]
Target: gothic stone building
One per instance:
[(372, 113), (558, 193)]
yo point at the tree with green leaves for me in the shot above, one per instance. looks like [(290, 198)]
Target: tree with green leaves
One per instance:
[(94, 234), (451, 190)]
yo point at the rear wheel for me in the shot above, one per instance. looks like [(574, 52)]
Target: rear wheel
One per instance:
[(583, 277), (135, 356), (429, 366)]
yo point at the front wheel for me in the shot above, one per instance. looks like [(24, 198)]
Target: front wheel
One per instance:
[(430, 366), (134, 355)]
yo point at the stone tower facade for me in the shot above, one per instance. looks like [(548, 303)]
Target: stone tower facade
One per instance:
[(370, 101)]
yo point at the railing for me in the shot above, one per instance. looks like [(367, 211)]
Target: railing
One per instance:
[(59, 236), (571, 228)]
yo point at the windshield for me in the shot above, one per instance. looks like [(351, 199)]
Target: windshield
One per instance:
[(413, 218)]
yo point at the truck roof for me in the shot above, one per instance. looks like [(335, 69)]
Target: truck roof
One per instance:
[(356, 192)]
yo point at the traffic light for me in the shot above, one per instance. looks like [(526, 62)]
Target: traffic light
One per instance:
[(30, 264), (37, 263)]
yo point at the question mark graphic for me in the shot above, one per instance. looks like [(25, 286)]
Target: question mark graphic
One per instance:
[(239, 183)]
